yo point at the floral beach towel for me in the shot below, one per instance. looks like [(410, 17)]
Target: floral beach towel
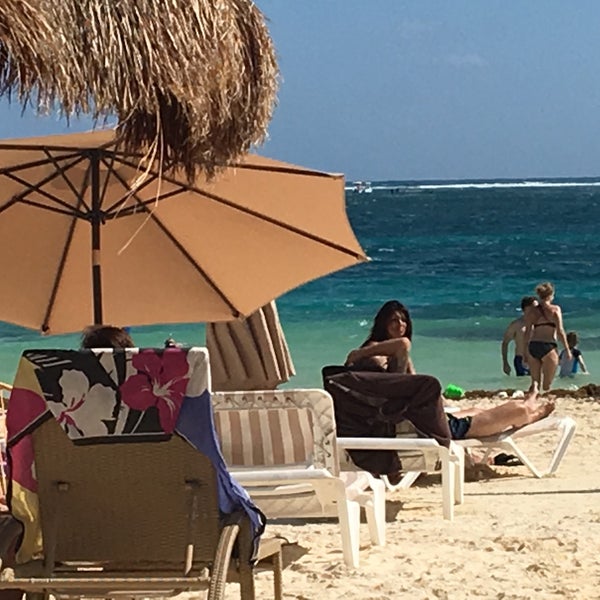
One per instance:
[(112, 396)]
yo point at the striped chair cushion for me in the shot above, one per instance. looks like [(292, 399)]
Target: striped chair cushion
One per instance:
[(265, 437)]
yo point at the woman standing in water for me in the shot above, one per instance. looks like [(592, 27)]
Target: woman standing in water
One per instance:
[(387, 349), (543, 325)]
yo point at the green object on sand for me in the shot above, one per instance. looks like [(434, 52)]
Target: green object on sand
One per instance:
[(454, 392)]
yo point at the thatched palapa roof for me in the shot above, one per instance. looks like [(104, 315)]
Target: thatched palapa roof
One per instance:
[(190, 81)]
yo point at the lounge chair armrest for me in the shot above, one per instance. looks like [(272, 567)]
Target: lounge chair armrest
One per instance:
[(280, 475), (364, 443)]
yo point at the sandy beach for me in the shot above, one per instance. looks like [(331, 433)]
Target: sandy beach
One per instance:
[(515, 536)]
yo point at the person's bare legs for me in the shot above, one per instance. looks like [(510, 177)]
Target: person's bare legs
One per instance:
[(471, 411), (515, 413), (468, 412), (535, 370), (549, 365)]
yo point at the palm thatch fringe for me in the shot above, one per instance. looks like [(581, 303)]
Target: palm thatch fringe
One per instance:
[(191, 81)]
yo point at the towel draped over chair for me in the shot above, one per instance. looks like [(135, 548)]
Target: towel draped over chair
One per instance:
[(371, 404), (113, 397)]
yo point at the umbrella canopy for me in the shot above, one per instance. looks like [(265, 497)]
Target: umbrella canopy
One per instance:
[(194, 82), (249, 354), (80, 244)]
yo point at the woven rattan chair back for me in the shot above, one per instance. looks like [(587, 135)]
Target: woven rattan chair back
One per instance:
[(129, 505)]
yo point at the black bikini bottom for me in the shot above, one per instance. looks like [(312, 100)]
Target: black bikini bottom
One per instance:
[(540, 349)]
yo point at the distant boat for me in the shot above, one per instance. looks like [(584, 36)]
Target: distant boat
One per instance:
[(362, 187)]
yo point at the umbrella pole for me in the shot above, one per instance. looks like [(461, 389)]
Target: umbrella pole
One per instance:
[(96, 222)]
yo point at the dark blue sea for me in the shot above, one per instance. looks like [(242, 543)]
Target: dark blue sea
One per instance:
[(459, 254)]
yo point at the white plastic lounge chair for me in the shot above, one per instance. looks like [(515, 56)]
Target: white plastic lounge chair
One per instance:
[(507, 440), (418, 452), (401, 439), (281, 446)]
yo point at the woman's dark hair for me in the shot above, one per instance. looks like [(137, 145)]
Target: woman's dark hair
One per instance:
[(105, 336), (382, 318)]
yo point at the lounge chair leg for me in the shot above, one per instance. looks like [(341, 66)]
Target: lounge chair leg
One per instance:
[(247, 589), (448, 480), (218, 579), (375, 512), (459, 470), (407, 480), (349, 516), (277, 576), (514, 449), (567, 430)]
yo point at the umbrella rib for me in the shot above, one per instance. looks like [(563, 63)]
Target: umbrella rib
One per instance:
[(258, 215), (111, 170), (37, 163), (62, 172), (134, 194), (127, 212), (59, 273), (20, 197), (70, 213), (130, 192)]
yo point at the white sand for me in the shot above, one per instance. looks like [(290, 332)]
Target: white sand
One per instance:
[(514, 537)]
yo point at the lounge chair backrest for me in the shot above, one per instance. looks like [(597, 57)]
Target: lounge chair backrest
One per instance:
[(114, 454), (266, 437), (125, 503), (119, 482), (290, 427)]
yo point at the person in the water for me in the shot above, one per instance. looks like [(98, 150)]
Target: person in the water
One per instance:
[(569, 367), (543, 329), (515, 332)]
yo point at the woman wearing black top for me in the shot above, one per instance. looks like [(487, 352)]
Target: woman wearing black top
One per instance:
[(543, 326)]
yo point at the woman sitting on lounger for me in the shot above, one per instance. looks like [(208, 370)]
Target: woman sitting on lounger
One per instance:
[(388, 349)]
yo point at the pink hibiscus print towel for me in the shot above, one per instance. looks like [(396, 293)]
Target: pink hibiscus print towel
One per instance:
[(161, 381)]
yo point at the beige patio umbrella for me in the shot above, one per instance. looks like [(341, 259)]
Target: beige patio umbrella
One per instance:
[(193, 82), (79, 245), (250, 353)]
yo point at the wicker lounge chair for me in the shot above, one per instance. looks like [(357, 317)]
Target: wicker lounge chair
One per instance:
[(138, 517)]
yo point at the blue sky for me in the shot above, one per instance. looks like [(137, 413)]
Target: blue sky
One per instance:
[(388, 89)]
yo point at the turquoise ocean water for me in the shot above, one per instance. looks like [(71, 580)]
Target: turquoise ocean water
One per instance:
[(459, 254)]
